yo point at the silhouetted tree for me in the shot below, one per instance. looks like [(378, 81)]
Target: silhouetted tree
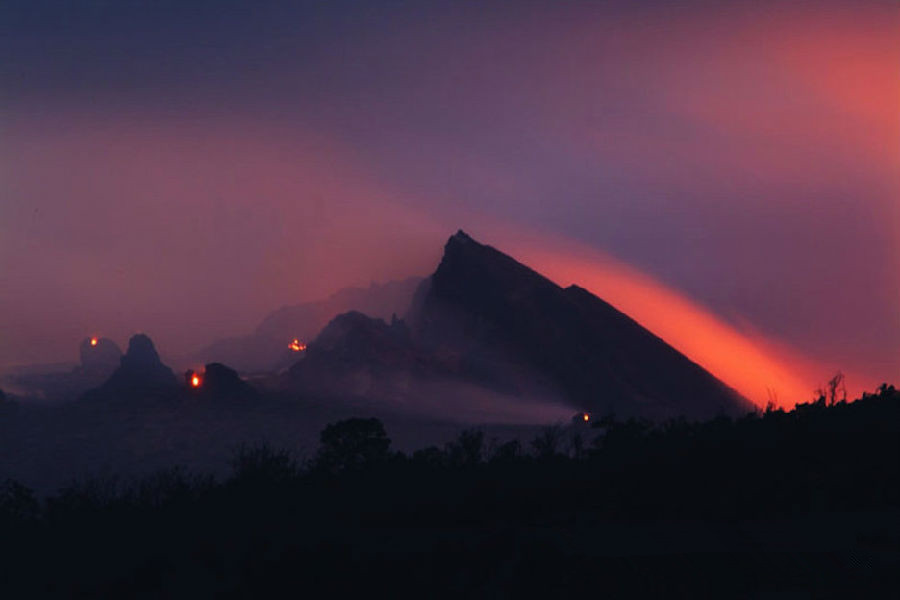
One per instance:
[(89, 496), (263, 463), (547, 443), (175, 485), (836, 385), (829, 393), (468, 449), (508, 451), (625, 434), (576, 446), (352, 444), (17, 502), (173, 532), (431, 457)]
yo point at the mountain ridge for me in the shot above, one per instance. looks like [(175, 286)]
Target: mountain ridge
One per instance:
[(486, 319), (265, 348)]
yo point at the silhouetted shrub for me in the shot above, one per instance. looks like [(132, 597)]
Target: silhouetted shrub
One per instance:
[(547, 443), (178, 486), (577, 448), (262, 463), (17, 502), (90, 496), (353, 444), (467, 450), (506, 452), (431, 457)]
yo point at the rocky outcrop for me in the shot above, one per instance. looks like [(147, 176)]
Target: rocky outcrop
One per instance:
[(141, 368)]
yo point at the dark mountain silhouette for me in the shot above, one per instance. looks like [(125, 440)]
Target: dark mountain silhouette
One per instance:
[(480, 299), (356, 339), (140, 368), (484, 319), (266, 349), (356, 355), (220, 382), (377, 365), (100, 356)]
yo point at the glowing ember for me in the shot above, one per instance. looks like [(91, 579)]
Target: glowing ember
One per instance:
[(195, 381), (296, 345), (586, 417), (94, 341)]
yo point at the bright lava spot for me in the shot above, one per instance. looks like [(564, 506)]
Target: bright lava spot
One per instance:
[(94, 341), (195, 381), (296, 345), (586, 417)]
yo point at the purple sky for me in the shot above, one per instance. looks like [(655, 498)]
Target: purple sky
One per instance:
[(182, 171)]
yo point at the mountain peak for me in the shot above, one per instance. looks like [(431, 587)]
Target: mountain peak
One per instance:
[(469, 267), (481, 302), (459, 241), (484, 319), (461, 236), (141, 367), (141, 350)]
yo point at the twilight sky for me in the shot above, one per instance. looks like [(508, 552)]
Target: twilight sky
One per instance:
[(727, 173)]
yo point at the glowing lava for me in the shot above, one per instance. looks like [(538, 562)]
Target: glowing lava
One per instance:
[(195, 381), (296, 345), (94, 341), (586, 417)]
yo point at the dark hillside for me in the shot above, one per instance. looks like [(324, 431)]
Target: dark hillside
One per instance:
[(782, 504), (480, 300)]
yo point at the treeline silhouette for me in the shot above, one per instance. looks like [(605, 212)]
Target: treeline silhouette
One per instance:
[(806, 500)]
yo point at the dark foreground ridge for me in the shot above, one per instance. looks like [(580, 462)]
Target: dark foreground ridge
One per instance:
[(777, 504)]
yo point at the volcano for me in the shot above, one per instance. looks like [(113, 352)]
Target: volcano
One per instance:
[(603, 360), (485, 319)]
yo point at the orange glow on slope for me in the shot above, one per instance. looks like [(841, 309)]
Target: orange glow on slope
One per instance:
[(743, 363), (94, 341), (296, 345), (586, 417), (759, 369), (195, 381)]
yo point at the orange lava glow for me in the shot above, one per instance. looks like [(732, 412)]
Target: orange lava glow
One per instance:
[(296, 345), (195, 381), (760, 369), (94, 341), (744, 363), (586, 417)]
